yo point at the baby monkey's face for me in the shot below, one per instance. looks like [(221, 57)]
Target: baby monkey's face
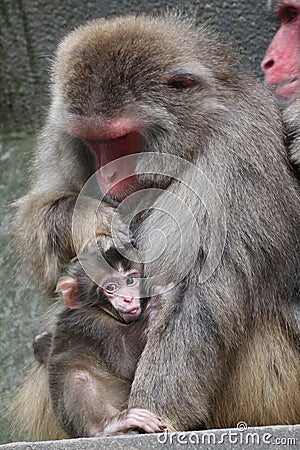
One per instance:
[(122, 290)]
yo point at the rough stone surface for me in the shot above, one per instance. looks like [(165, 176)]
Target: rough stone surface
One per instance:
[(284, 437)]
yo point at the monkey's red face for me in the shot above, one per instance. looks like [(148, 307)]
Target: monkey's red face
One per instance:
[(111, 140), (116, 178), (282, 60), (123, 292)]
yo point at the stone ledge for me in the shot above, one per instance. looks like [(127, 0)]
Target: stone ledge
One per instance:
[(264, 438)]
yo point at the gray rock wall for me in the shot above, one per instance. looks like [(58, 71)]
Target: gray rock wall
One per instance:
[(29, 33)]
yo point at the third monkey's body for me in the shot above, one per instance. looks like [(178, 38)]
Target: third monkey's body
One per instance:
[(227, 349), (281, 65)]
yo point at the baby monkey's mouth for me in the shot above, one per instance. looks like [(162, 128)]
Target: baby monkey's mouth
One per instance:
[(131, 314)]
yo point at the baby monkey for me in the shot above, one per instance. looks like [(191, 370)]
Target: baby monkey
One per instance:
[(93, 353)]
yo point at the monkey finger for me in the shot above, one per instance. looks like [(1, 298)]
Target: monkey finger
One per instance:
[(110, 224), (145, 420), (43, 335), (152, 426), (118, 238), (132, 239)]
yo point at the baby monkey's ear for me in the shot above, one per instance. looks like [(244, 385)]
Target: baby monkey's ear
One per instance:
[(69, 289)]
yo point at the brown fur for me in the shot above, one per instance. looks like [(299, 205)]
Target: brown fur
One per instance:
[(263, 385), (31, 408)]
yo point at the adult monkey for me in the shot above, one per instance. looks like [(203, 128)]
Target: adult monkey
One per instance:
[(225, 350), (281, 65)]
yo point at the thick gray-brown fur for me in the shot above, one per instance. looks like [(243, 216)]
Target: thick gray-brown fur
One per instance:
[(225, 350)]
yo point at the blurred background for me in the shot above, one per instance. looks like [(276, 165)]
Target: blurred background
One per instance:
[(29, 33)]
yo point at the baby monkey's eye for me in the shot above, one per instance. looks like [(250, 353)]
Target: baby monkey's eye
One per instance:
[(131, 280), (111, 287)]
